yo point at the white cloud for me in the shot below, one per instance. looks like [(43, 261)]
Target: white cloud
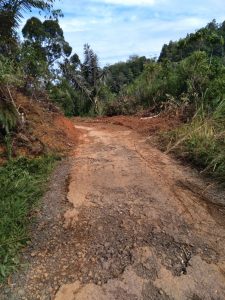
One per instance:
[(119, 39), (116, 29), (130, 2), (73, 25)]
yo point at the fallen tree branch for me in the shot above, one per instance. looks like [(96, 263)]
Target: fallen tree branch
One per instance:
[(146, 118), (12, 100)]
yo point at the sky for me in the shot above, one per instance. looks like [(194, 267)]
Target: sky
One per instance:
[(117, 29)]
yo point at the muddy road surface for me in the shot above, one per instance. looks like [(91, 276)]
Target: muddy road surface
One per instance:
[(123, 221)]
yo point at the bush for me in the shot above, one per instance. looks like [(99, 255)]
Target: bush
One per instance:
[(64, 96), (203, 141), (10, 77), (22, 183)]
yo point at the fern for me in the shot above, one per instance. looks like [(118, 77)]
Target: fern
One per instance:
[(10, 78), (8, 116)]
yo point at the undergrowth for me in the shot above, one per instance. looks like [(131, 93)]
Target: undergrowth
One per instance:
[(202, 141), (22, 183)]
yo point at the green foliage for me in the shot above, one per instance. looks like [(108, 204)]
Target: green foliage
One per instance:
[(196, 78), (10, 74), (90, 67), (93, 78), (198, 81), (8, 117), (11, 13), (209, 39), (35, 67), (8, 143), (75, 81), (203, 141), (107, 98), (47, 38), (65, 96), (88, 81), (22, 183), (123, 73), (44, 44), (10, 77)]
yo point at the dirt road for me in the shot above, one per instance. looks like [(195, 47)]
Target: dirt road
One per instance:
[(136, 225)]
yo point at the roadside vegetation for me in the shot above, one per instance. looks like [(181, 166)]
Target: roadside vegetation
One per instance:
[(187, 80), (23, 182), (24, 67), (195, 88), (202, 142)]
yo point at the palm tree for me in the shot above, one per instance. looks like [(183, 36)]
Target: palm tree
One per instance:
[(11, 13)]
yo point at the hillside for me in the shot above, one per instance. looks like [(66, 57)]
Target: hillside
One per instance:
[(44, 130)]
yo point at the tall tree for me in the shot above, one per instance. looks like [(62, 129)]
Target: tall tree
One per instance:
[(48, 37), (11, 13)]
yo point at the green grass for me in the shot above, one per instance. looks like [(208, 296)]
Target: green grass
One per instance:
[(202, 141), (22, 183)]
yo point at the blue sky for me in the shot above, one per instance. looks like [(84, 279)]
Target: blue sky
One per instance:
[(116, 29)]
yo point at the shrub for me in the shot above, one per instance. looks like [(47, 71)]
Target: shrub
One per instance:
[(22, 183), (202, 141), (10, 77)]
